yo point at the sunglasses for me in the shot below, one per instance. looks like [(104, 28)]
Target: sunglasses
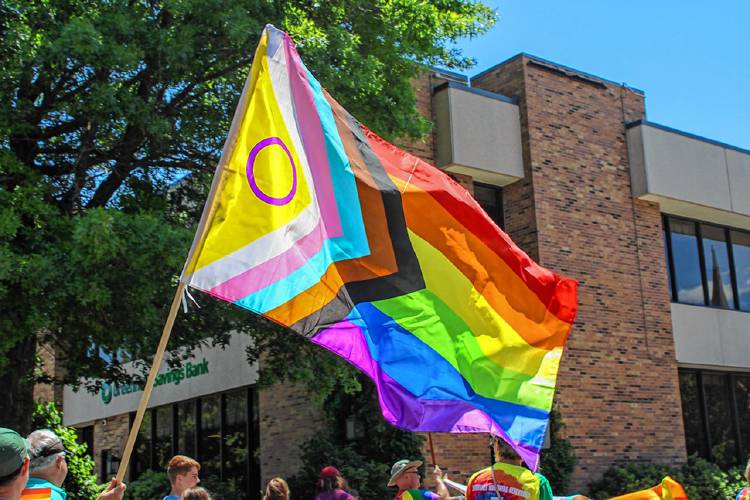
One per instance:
[(54, 450)]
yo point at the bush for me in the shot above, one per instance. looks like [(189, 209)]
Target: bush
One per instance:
[(558, 461), (700, 478), (81, 480), (150, 484)]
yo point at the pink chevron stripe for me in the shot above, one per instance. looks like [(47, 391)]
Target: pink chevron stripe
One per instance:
[(273, 269), (311, 131)]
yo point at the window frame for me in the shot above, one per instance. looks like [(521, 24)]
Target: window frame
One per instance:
[(730, 377), (498, 190), (667, 230)]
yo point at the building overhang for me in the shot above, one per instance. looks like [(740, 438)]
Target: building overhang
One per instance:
[(478, 133), (689, 175), (708, 336)]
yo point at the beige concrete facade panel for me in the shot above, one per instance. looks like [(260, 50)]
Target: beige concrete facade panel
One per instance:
[(738, 168), (684, 168), (711, 337), (478, 135)]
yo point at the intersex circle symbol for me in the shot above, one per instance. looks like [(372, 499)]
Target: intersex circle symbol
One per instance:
[(271, 200)]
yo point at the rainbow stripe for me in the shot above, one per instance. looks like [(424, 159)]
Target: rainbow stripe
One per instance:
[(36, 494), (324, 227)]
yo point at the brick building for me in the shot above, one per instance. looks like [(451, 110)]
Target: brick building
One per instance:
[(653, 222)]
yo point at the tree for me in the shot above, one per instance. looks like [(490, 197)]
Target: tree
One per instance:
[(109, 103)]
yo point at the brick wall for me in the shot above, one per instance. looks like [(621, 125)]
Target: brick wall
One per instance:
[(617, 390), (48, 392), (288, 419), (110, 434)]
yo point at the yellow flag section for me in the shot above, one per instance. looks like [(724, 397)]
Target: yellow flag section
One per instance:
[(263, 182), (669, 489)]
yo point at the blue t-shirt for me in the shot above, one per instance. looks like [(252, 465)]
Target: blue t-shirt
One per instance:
[(57, 492), (171, 497)]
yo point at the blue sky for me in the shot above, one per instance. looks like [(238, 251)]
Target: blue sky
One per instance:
[(691, 58)]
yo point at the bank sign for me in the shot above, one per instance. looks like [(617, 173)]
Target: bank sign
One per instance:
[(208, 370)]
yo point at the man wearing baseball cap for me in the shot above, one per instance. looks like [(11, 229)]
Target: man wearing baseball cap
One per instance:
[(14, 464), (49, 468), (405, 476)]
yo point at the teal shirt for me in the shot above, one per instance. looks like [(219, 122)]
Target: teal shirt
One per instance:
[(57, 493)]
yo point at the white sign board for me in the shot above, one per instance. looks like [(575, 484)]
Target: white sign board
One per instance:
[(209, 370)]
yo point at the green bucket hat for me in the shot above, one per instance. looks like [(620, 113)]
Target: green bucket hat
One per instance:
[(13, 449)]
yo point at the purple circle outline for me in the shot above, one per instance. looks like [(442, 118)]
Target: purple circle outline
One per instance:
[(271, 200)]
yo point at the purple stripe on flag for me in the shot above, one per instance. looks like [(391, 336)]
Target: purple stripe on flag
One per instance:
[(311, 131), (403, 409)]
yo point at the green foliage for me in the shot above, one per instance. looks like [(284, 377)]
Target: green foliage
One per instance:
[(700, 478), (558, 461), (150, 484), (365, 460), (108, 103), (81, 479)]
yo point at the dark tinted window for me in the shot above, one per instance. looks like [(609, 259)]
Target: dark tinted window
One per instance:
[(142, 450), (741, 257), (720, 426), (716, 258), (186, 428), (491, 200), (692, 414), (210, 437), (686, 261), (163, 438), (742, 400), (235, 444)]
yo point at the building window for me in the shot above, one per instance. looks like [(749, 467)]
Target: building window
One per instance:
[(86, 436), (716, 413), (224, 440), (707, 264), (186, 428), (490, 198), (740, 246), (141, 460), (716, 265), (686, 262)]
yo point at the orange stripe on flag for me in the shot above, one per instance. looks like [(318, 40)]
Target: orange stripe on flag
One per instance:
[(36, 494)]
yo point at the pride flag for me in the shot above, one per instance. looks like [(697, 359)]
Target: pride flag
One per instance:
[(669, 489), (322, 226)]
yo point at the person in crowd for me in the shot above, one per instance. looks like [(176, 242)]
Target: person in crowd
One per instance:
[(277, 489), (48, 468), (14, 464), (332, 485), (507, 478), (196, 493), (183, 475), (745, 493), (405, 476)]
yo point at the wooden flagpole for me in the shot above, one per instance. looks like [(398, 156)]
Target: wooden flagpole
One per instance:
[(125, 459), (166, 332), (432, 449)]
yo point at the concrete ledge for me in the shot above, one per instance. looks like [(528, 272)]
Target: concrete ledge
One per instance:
[(689, 175), (478, 134)]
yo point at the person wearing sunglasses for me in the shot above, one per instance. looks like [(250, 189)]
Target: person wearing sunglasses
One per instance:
[(48, 467), (406, 477)]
